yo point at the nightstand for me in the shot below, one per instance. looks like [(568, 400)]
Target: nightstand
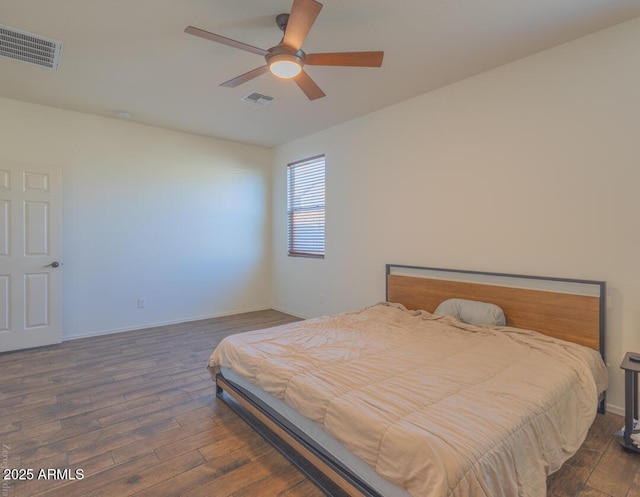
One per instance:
[(631, 370)]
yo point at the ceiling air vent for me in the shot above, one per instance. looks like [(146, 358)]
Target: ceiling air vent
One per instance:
[(257, 98), (34, 49)]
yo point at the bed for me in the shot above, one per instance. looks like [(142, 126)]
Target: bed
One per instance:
[(395, 401)]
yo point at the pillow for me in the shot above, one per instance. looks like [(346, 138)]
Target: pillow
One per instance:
[(472, 312)]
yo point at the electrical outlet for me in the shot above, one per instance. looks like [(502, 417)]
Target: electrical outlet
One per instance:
[(141, 303)]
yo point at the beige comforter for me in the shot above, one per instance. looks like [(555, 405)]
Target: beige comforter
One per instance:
[(438, 407)]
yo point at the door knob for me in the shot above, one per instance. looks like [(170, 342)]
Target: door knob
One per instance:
[(54, 264)]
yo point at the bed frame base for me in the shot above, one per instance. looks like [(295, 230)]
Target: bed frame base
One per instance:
[(330, 476)]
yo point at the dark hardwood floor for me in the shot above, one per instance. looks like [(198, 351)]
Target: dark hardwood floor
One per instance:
[(136, 414)]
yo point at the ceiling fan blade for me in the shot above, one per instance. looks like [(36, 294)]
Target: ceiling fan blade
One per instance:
[(308, 86), (357, 59), (303, 15), (225, 41), (243, 78)]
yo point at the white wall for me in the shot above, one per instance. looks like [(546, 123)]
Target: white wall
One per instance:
[(181, 220), (531, 168)]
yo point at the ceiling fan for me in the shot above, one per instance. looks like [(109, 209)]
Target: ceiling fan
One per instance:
[(287, 59)]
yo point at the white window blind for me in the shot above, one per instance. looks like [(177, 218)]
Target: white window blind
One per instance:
[(305, 207)]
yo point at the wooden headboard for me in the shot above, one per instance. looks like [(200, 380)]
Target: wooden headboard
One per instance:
[(574, 317)]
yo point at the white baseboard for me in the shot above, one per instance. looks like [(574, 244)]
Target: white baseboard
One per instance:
[(161, 323), (287, 311), (614, 409)]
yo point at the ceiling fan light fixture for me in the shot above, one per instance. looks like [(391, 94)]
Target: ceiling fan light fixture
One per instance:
[(285, 66), (285, 63)]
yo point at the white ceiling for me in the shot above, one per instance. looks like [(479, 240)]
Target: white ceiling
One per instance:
[(133, 55)]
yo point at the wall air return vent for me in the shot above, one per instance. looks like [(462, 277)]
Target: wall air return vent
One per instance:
[(34, 49), (257, 98)]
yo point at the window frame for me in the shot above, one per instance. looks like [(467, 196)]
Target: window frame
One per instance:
[(316, 249)]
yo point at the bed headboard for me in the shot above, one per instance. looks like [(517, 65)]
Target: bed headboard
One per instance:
[(568, 309)]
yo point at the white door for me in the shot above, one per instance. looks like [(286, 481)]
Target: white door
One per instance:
[(30, 257)]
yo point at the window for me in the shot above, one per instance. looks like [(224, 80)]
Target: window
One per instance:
[(305, 207)]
